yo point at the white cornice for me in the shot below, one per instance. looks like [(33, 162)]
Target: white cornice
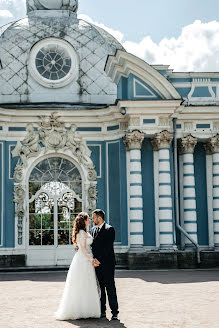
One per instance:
[(193, 74)]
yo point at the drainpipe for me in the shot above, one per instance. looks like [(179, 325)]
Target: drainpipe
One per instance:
[(176, 195)]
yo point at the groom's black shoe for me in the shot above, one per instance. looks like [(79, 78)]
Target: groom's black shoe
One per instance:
[(103, 315), (114, 317)]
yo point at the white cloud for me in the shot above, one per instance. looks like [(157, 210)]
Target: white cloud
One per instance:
[(5, 14), (196, 49), (12, 10), (117, 34)]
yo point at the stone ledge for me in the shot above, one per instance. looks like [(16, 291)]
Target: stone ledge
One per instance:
[(12, 260), (168, 260), (131, 261)]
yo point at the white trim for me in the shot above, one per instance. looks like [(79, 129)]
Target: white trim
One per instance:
[(65, 45), (120, 249), (11, 251), (156, 196), (209, 175), (9, 161), (124, 63), (2, 198), (52, 251), (100, 157), (152, 95)]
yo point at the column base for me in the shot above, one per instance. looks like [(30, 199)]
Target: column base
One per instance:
[(168, 247), (189, 247), (136, 249)]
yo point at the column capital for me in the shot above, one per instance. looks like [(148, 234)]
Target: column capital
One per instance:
[(133, 139), (208, 148), (212, 145), (162, 140), (187, 144)]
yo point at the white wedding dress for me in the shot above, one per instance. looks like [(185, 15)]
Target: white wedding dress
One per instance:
[(81, 295)]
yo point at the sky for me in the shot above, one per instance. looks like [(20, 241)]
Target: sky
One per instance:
[(181, 33)]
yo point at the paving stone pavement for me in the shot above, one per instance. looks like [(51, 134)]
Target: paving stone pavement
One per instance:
[(147, 299)]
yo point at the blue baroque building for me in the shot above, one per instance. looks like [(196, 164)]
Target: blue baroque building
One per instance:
[(85, 125)]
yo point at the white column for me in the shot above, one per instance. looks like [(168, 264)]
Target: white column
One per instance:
[(214, 143), (189, 196), (161, 143), (133, 141)]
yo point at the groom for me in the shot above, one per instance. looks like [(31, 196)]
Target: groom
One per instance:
[(102, 248)]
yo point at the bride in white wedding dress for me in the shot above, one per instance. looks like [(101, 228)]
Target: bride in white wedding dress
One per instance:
[(80, 297)]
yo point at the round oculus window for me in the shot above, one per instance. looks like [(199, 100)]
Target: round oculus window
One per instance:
[(53, 62)]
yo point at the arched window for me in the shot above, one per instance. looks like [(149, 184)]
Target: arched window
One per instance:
[(55, 198)]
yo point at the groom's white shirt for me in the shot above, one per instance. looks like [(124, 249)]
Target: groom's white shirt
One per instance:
[(101, 225)]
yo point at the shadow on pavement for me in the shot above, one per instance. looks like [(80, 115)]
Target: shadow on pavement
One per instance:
[(93, 323), (162, 276)]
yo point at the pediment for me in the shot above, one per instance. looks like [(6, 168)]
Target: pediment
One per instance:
[(123, 64)]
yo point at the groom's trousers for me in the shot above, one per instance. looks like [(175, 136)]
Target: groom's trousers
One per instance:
[(107, 283)]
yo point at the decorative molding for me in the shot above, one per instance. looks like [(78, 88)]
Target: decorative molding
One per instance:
[(188, 126), (124, 63), (133, 139), (134, 121), (207, 147), (164, 121), (162, 140), (187, 144), (150, 95), (9, 161), (100, 158), (216, 126), (124, 126), (212, 146), (51, 136)]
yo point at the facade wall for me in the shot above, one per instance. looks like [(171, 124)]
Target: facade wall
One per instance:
[(201, 194), (109, 158), (148, 193)]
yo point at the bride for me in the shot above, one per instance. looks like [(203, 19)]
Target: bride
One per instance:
[(80, 297)]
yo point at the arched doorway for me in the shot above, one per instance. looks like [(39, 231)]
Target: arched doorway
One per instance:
[(55, 198)]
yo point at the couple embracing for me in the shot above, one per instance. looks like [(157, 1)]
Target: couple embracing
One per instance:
[(91, 273)]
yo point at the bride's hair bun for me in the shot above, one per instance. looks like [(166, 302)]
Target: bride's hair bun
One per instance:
[(79, 224)]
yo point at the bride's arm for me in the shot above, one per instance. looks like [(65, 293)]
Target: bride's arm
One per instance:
[(82, 244)]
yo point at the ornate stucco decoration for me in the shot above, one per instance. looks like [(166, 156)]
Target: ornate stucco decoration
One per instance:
[(212, 146), (133, 139), (187, 144), (162, 140), (52, 5), (19, 196), (52, 137)]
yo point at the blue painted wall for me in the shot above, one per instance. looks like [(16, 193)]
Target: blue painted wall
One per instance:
[(201, 193), (113, 152), (113, 185), (126, 89), (8, 188), (201, 92), (172, 192), (148, 193), (1, 192)]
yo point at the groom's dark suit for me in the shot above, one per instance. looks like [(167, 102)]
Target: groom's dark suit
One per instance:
[(103, 251)]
